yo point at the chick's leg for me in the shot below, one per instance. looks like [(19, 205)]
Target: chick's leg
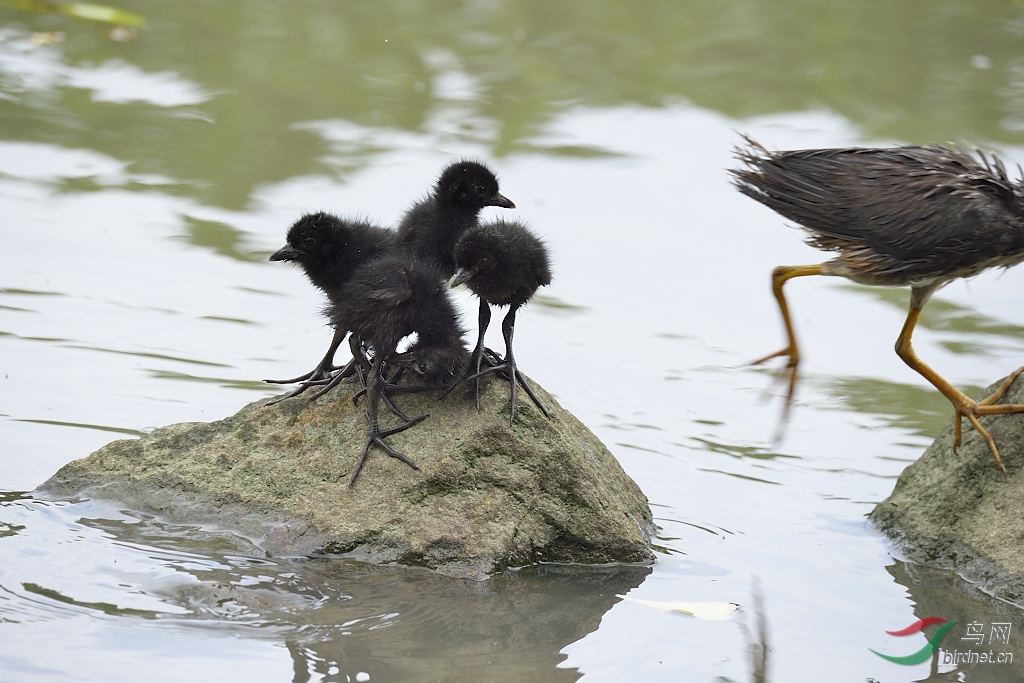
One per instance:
[(374, 434)]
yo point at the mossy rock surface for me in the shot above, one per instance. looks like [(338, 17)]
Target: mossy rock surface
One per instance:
[(956, 510), (487, 496)]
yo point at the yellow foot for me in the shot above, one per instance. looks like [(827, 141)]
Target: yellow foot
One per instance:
[(972, 410)]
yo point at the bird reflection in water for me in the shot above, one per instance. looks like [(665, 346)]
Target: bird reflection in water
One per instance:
[(756, 637)]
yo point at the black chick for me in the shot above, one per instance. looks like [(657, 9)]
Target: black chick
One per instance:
[(387, 300), (432, 226), (330, 249), (503, 263)]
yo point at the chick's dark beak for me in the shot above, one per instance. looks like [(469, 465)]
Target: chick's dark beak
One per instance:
[(461, 276), (286, 253), (501, 200)]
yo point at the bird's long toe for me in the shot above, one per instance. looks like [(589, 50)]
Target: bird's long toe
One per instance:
[(291, 394), (973, 410), (293, 380), (510, 370), (989, 441), (375, 437), (320, 376), (1002, 389), (533, 397), (789, 351)]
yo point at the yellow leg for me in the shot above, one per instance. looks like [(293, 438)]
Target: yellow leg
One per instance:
[(788, 374), (964, 405)]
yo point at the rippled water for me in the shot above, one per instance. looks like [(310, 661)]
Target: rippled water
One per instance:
[(145, 177)]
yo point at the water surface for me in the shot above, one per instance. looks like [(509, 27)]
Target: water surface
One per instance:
[(146, 176)]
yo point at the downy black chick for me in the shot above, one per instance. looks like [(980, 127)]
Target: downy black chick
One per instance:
[(503, 263), (385, 301), (329, 250), (433, 225)]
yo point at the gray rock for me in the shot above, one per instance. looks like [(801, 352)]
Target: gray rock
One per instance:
[(488, 496), (956, 511)]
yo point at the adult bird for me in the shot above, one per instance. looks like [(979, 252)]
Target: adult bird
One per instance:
[(432, 226), (329, 250), (385, 301), (504, 264), (901, 216)]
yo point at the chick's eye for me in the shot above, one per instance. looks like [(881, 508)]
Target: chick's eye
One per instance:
[(481, 190)]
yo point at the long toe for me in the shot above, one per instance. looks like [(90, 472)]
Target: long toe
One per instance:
[(990, 442), (376, 438), (327, 386), (395, 454), (493, 360), (370, 439), (789, 352), (973, 410), (529, 392), (1000, 390), (513, 389), (294, 392), (402, 427), (319, 374), (325, 376), (293, 380)]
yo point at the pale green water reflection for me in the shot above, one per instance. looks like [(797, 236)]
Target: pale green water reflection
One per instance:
[(948, 316), (913, 408), (211, 95)]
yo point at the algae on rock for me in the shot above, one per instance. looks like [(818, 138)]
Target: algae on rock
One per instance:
[(487, 496), (956, 510)]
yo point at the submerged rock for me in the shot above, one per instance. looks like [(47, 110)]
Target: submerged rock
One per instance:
[(956, 511), (487, 496)]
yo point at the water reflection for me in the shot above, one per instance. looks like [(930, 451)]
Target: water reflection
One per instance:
[(227, 382), (84, 11), (740, 451), (144, 182), (940, 593), (944, 315), (915, 409), (756, 636), (81, 425), (495, 74), (336, 618), (222, 239)]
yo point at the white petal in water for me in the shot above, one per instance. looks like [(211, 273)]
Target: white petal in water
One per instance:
[(712, 611)]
